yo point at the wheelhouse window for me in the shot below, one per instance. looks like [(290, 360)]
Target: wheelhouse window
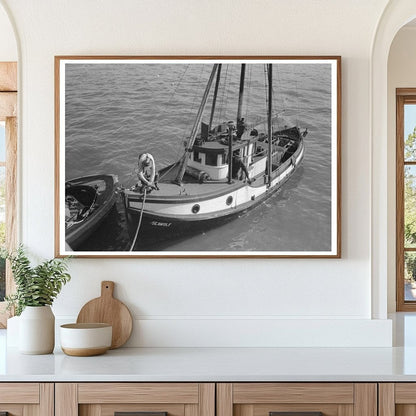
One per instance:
[(406, 199), (211, 159), (197, 158)]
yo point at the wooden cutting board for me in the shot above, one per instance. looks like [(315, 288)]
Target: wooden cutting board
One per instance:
[(108, 310)]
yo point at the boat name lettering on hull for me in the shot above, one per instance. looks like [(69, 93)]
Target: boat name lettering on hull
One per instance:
[(161, 224)]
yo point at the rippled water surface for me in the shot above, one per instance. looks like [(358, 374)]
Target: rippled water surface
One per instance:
[(113, 112)]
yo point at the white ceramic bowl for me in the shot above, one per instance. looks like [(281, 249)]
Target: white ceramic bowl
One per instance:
[(84, 340)]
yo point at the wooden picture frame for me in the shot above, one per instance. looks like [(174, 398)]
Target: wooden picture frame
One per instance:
[(161, 156)]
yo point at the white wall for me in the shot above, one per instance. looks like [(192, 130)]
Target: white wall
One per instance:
[(203, 302), (401, 74), (8, 46)]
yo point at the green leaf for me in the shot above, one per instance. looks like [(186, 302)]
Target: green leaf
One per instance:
[(35, 286)]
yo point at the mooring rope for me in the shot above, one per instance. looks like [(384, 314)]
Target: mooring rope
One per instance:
[(140, 222)]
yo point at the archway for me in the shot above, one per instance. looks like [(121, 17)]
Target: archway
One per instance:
[(8, 45), (395, 16)]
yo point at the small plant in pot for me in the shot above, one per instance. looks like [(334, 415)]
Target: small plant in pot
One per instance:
[(36, 289)]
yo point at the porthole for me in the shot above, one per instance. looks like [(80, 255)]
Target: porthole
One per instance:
[(196, 208), (229, 200)]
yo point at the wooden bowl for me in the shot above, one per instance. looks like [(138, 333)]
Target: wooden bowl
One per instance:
[(84, 340)]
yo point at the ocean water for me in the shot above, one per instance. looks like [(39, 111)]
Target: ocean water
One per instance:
[(114, 112)]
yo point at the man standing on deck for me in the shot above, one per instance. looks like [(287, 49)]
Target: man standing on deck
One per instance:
[(241, 127), (239, 164), (232, 130)]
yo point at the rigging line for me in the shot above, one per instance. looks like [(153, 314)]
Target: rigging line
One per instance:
[(178, 83), (297, 97), (265, 92), (278, 109), (224, 79), (168, 171), (275, 95), (179, 149), (172, 95), (175, 90), (226, 91), (250, 71), (193, 106), (140, 222), (189, 122)]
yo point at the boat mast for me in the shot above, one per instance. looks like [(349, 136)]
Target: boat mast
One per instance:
[(241, 93), (239, 111), (190, 143), (269, 124), (230, 156), (214, 101)]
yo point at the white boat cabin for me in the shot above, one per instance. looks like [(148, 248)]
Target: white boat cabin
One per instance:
[(210, 155)]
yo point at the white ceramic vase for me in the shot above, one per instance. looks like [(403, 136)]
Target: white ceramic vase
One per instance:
[(37, 330)]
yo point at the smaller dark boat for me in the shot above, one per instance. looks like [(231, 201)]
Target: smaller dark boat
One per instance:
[(88, 201)]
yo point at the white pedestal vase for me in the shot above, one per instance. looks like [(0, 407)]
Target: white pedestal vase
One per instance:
[(37, 330)]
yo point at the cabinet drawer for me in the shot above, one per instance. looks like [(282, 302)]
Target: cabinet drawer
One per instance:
[(297, 399), (21, 399), (19, 393), (138, 393), (397, 399), (145, 399)]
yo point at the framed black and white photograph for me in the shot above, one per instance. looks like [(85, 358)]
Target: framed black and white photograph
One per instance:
[(198, 156)]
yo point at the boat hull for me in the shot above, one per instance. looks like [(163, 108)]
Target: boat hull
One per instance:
[(77, 233), (156, 228), (166, 218)]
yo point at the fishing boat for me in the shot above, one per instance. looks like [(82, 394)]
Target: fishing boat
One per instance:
[(225, 169), (88, 200)]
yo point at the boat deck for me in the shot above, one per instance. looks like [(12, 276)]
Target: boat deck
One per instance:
[(191, 187)]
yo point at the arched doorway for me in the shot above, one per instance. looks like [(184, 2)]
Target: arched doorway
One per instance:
[(401, 98), (396, 15)]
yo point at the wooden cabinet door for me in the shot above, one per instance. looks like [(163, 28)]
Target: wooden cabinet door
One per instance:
[(26, 399), (297, 399), (143, 399), (397, 399)]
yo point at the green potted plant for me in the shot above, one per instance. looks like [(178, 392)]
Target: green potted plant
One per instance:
[(36, 289)]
